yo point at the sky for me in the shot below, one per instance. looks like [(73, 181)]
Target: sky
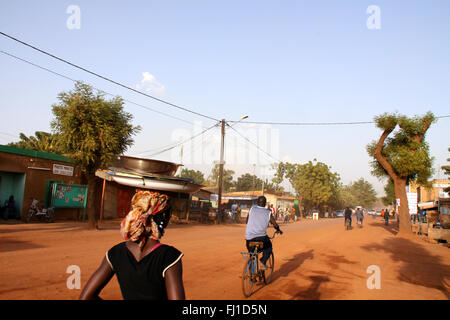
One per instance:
[(285, 61)]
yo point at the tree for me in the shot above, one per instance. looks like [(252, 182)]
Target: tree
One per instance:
[(248, 182), (447, 173), (196, 175), (92, 131), (227, 181), (389, 191), (363, 192), (43, 141), (314, 183), (403, 157)]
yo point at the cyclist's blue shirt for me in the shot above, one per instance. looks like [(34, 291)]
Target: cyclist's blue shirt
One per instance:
[(258, 221)]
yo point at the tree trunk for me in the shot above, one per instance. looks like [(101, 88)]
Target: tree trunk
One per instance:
[(403, 209), (90, 206), (300, 199)]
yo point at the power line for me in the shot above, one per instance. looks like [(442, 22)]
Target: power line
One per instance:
[(180, 143), (206, 141), (171, 145), (107, 79), (169, 103), (255, 144), (73, 80), (315, 123)]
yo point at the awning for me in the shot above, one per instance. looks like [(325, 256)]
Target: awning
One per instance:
[(156, 182), (427, 205)]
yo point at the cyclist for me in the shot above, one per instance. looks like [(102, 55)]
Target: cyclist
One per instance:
[(348, 215), (257, 222), (359, 215)]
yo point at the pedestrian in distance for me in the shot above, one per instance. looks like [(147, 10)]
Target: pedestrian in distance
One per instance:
[(348, 215), (145, 268), (386, 217)]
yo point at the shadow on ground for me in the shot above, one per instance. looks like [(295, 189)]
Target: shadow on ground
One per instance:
[(293, 264), (8, 245), (419, 266), (392, 227), (312, 292)]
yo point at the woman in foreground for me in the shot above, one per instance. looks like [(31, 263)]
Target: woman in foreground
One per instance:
[(145, 268)]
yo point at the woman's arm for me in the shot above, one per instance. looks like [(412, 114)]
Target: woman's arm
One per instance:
[(97, 282), (174, 282)]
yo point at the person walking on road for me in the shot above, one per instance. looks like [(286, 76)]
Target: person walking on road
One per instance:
[(348, 215), (258, 220), (386, 217), (359, 216), (145, 268)]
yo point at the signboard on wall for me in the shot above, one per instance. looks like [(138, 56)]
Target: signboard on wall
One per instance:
[(69, 195), (412, 202), (62, 170)]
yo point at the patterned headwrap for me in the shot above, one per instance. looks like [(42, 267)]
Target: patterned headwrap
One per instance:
[(140, 222)]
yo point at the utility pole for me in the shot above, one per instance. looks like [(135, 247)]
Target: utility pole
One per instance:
[(221, 164), (219, 206)]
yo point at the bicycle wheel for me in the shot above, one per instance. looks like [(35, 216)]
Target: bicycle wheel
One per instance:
[(248, 276), (29, 216), (270, 263)]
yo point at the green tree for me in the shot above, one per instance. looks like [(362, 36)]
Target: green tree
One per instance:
[(313, 182), (403, 157), (389, 191), (42, 141), (92, 131), (363, 192), (196, 175), (227, 178), (248, 182)]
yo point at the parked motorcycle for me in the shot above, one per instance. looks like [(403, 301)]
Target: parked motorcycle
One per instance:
[(47, 214)]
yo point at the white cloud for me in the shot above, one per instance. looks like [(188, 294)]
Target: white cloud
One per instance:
[(149, 84)]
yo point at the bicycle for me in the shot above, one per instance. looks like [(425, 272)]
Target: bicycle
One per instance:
[(252, 274), (348, 224)]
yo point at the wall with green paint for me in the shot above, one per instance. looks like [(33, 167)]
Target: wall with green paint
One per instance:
[(12, 184)]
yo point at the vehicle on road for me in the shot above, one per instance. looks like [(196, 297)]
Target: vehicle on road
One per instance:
[(371, 212), (339, 214), (252, 273), (47, 214), (378, 212)]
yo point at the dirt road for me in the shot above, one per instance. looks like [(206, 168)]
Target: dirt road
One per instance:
[(313, 260)]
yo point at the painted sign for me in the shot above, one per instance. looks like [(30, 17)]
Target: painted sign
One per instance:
[(69, 195), (412, 202), (62, 170)]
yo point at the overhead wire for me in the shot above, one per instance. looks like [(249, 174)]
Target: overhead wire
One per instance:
[(257, 146), (313, 123), (182, 142), (106, 78), (73, 80)]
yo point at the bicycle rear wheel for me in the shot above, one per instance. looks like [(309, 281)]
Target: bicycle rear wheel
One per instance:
[(248, 276), (270, 263)]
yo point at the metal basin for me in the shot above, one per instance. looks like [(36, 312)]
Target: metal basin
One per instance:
[(144, 166)]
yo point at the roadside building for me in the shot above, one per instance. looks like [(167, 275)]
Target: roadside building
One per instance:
[(29, 174), (248, 198), (432, 199), (200, 207), (122, 179)]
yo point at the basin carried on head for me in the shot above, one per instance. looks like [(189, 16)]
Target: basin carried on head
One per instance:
[(144, 166)]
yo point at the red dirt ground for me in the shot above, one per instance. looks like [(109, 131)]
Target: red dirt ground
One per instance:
[(313, 260)]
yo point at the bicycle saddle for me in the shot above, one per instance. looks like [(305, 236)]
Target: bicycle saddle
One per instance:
[(255, 244)]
